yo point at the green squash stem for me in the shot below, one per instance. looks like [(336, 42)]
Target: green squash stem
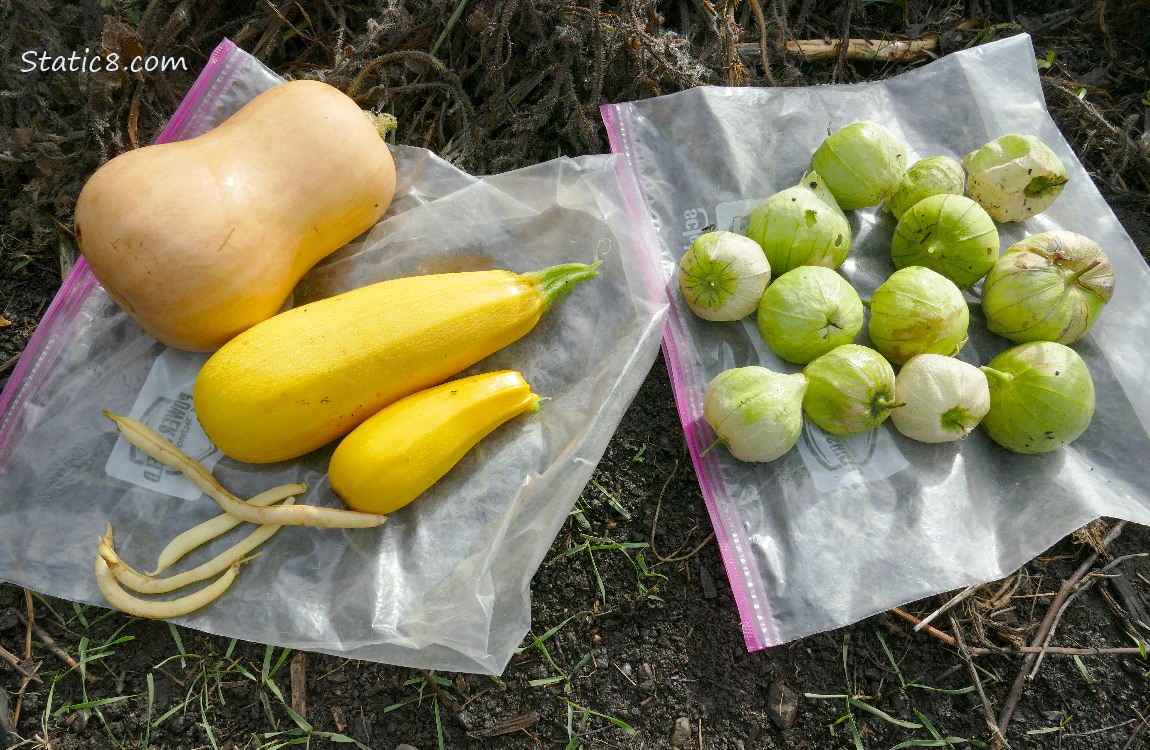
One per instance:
[(556, 281)]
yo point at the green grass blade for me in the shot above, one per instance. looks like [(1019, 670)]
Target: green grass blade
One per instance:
[(179, 645), (96, 703), (1082, 668), (439, 726), (450, 25), (890, 657), (1044, 730), (855, 732), (941, 742), (151, 707), (944, 691), (544, 681), (612, 501), (926, 723), (883, 714)]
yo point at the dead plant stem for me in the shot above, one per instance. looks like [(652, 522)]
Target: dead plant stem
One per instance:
[(996, 735), (1044, 629), (51, 645)]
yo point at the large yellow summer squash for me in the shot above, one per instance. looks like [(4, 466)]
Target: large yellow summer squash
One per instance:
[(307, 376)]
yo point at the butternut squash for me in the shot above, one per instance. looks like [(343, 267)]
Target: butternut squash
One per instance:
[(311, 374), (198, 240), (406, 447)]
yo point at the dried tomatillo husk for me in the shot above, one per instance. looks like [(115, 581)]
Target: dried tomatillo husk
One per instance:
[(942, 398), (861, 163), (1048, 287), (1014, 177), (807, 312), (950, 234), (801, 226), (851, 390), (1041, 397)]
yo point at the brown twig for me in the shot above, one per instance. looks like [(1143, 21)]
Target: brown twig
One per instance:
[(950, 603), (930, 629), (1078, 590), (762, 22), (27, 657), (1040, 638), (732, 65), (17, 664), (517, 723), (841, 61), (674, 556), (1016, 650), (1130, 611), (9, 363), (298, 673), (1142, 724), (877, 50), (429, 678), (1058, 651), (996, 735), (52, 646)]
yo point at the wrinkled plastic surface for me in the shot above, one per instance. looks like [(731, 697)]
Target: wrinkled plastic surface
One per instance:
[(837, 530), (444, 584)]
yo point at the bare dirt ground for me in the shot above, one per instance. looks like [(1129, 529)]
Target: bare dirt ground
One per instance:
[(619, 656)]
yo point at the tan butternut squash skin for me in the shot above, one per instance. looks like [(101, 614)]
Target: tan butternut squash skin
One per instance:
[(199, 240)]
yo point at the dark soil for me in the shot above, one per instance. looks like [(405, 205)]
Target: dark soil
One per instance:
[(504, 85)]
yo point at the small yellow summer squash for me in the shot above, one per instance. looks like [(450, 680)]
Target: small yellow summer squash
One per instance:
[(406, 447), (307, 376)]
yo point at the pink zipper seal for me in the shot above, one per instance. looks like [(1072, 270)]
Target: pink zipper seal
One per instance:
[(751, 599)]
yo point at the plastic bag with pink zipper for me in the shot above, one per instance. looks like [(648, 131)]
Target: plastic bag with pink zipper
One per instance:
[(445, 584), (840, 529)]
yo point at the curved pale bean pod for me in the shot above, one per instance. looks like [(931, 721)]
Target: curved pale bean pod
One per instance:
[(147, 584), (143, 437), (160, 610), (208, 530)]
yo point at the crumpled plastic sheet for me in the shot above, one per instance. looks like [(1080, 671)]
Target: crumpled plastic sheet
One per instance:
[(840, 529), (445, 583)]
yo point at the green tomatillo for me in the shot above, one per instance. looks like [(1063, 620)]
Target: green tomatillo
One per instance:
[(851, 390), (861, 163), (918, 311), (756, 412), (722, 276), (934, 175), (947, 233), (1048, 287), (801, 226), (1041, 397), (809, 311), (942, 398), (1014, 176)]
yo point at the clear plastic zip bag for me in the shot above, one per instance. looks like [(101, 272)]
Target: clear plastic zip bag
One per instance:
[(840, 529), (444, 584)]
